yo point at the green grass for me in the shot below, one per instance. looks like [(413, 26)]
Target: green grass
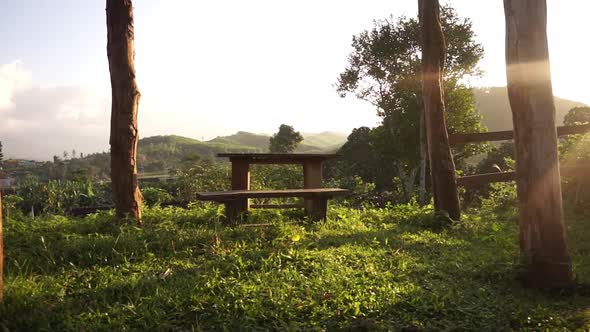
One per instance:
[(387, 269)]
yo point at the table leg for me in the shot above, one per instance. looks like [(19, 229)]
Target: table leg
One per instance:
[(312, 178), (240, 180), (318, 209), (233, 212)]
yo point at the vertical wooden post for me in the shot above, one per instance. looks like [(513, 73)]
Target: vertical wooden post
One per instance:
[(125, 100), (1, 254), (312, 178), (442, 166), (240, 180), (542, 230), (318, 209)]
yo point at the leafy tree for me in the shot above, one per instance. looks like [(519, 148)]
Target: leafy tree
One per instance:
[(575, 149), (498, 159), (366, 170), (285, 140), (385, 70), (577, 116), (360, 157)]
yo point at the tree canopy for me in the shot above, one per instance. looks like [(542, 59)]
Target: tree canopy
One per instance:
[(384, 69), (285, 140)]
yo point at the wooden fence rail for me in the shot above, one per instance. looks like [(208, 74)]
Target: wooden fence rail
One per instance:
[(509, 134), (480, 179)]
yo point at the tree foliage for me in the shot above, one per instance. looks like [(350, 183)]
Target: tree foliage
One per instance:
[(285, 140), (384, 69), (575, 149)]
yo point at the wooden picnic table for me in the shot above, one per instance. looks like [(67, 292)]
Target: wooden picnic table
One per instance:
[(312, 168)]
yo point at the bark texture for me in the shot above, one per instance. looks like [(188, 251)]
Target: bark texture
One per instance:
[(423, 159), (1, 255), (542, 230), (125, 100), (442, 166)]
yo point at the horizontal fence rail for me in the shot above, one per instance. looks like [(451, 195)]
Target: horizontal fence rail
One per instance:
[(481, 179), (509, 134)]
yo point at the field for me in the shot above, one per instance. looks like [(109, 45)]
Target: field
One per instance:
[(398, 268)]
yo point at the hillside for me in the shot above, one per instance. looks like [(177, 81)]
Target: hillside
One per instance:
[(160, 153), (322, 142), (244, 139), (325, 140), (494, 106)]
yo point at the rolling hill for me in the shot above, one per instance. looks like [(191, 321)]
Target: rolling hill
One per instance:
[(322, 142), (494, 106), (159, 153)]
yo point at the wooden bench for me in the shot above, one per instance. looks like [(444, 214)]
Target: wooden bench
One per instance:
[(234, 207)]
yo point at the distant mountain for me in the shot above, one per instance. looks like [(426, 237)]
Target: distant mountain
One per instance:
[(159, 153), (244, 139), (494, 106), (325, 140), (321, 142)]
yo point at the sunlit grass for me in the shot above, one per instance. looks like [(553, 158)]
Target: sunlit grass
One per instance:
[(362, 269)]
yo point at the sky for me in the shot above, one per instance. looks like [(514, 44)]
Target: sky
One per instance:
[(211, 68)]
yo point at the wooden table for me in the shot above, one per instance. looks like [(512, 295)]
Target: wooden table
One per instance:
[(240, 171)]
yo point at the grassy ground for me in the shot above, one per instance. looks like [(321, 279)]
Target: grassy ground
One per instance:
[(361, 270)]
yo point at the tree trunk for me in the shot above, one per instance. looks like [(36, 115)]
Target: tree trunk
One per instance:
[(406, 180), (423, 158), (442, 166), (542, 230), (1, 254), (125, 100)]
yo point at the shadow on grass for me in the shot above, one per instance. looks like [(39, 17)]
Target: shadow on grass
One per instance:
[(118, 279)]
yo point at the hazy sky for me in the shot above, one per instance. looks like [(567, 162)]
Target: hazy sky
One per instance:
[(208, 68)]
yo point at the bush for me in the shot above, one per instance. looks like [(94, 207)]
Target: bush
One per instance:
[(155, 196), (56, 195), (364, 194), (502, 202), (9, 206), (205, 176)]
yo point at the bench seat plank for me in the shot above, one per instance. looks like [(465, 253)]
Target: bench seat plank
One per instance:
[(240, 194), (316, 210)]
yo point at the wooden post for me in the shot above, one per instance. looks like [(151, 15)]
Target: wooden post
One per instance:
[(240, 180), (312, 178), (125, 100), (1, 254), (542, 230), (442, 166), (318, 209)]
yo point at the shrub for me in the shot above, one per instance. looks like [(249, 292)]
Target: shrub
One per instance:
[(155, 196)]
